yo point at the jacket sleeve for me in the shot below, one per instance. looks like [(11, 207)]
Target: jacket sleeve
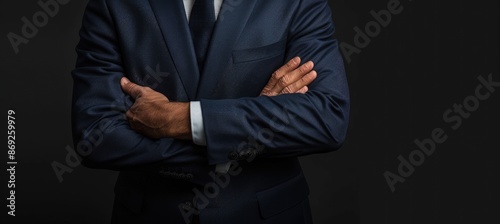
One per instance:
[(291, 124), (101, 133)]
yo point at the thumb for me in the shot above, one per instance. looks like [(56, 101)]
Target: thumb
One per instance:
[(124, 81), (130, 88)]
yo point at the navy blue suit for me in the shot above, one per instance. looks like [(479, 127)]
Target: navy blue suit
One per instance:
[(169, 180)]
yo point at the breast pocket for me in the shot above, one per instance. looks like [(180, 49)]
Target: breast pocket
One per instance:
[(259, 53)]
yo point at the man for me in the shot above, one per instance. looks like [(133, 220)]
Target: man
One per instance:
[(190, 101)]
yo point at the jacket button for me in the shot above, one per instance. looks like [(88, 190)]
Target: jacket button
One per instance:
[(246, 154), (233, 156)]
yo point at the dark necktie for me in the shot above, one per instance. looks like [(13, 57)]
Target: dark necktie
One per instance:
[(201, 23)]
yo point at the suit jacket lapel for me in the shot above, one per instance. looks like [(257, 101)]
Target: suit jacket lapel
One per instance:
[(171, 18), (230, 23)]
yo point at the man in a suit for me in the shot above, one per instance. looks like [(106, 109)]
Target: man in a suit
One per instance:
[(204, 106)]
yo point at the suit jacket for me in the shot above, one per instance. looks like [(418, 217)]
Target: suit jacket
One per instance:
[(168, 180)]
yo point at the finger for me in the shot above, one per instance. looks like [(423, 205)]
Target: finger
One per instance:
[(303, 90), (299, 84), (130, 115), (131, 88), (288, 67), (293, 77), (278, 74)]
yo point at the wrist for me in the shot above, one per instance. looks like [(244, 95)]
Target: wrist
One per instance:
[(179, 122)]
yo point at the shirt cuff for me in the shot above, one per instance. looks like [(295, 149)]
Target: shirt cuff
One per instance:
[(197, 129), (198, 132)]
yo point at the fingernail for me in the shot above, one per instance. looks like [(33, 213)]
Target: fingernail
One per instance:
[(314, 73), (124, 81)]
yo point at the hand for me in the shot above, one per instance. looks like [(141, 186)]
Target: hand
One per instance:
[(290, 78), (153, 115)]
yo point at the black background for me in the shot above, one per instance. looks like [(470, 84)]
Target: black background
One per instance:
[(427, 59)]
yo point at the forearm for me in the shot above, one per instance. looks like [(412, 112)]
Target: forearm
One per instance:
[(104, 138), (281, 126)]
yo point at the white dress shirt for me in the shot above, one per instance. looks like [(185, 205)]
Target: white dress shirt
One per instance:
[(197, 129), (188, 5)]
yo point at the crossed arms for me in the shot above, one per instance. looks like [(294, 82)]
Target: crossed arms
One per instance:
[(155, 116), (312, 121)]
